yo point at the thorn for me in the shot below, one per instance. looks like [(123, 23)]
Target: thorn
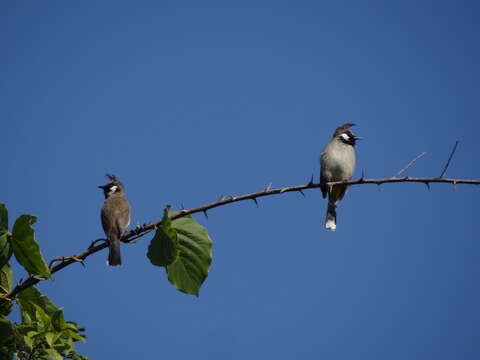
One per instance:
[(221, 198), (311, 181), (268, 187), (378, 187), (301, 192), (255, 201), (454, 185), (283, 190), (205, 213), (363, 175), (428, 184), (94, 243)]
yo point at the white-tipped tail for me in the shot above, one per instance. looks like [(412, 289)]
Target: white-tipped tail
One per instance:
[(330, 225), (331, 218)]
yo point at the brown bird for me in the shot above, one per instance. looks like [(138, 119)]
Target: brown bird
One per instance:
[(115, 217)]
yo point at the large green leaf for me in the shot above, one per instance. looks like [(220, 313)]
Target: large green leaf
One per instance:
[(7, 339), (191, 268), (25, 247), (163, 249), (3, 218), (6, 280)]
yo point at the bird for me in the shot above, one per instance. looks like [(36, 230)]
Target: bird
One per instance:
[(115, 216), (337, 163)]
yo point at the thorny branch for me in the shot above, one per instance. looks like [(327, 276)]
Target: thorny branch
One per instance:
[(140, 231)]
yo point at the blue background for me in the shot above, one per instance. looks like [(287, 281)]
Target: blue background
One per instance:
[(188, 100)]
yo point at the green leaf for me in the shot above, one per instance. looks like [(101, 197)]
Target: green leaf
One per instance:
[(6, 280), (7, 339), (5, 248), (28, 341), (191, 268), (50, 338), (163, 249), (3, 218), (30, 297), (53, 354), (58, 321), (43, 320), (26, 249), (74, 335)]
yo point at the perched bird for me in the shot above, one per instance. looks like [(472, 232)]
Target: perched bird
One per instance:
[(337, 163), (115, 217)]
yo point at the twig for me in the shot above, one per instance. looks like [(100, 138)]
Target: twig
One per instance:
[(409, 164), (449, 159)]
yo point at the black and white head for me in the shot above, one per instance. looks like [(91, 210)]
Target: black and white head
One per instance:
[(345, 135), (114, 186)]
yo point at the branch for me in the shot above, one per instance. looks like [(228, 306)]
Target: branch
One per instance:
[(409, 164), (140, 231)]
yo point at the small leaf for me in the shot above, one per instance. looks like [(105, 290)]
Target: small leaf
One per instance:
[(7, 339), (3, 218), (5, 248), (53, 354), (73, 335), (191, 268), (50, 338), (28, 341), (43, 320), (163, 249), (26, 249), (6, 280), (30, 297), (58, 321)]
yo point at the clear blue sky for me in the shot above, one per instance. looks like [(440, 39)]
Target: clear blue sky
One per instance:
[(188, 100)]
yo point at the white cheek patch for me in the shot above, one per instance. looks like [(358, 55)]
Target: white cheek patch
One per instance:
[(345, 137), (112, 189)]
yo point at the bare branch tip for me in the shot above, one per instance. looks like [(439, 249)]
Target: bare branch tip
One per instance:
[(409, 164), (449, 159)]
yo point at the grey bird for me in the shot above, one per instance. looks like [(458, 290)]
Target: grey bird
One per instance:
[(337, 163), (115, 217)]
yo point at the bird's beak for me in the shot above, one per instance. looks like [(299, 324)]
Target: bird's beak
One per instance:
[(102, 187), (357, 137)]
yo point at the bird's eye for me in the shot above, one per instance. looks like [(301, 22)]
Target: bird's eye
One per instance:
[(345, 137)]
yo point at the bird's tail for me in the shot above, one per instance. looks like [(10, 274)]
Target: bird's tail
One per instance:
[(331, 218), (114, 258)]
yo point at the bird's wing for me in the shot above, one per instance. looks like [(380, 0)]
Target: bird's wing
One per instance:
[(323, 187)]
